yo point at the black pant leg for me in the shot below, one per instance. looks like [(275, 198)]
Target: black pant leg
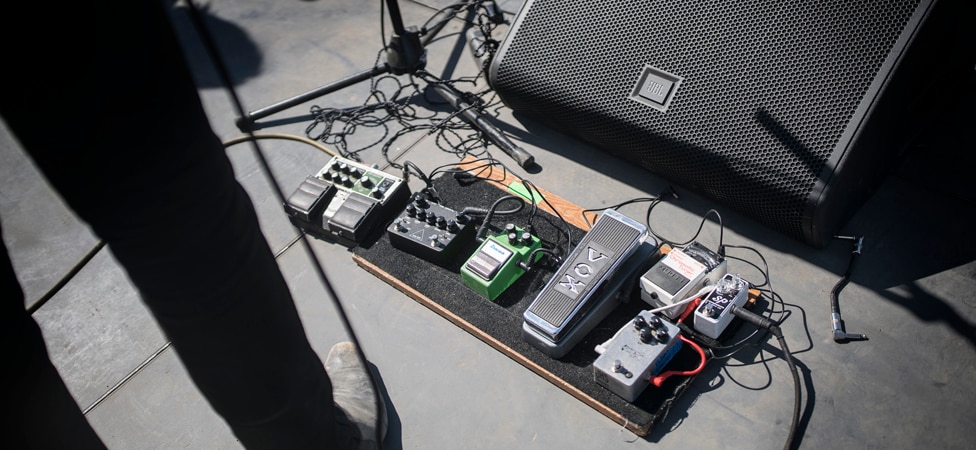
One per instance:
[(144, 169)]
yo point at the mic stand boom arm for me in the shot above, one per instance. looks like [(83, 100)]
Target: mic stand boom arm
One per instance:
[(480, 121)]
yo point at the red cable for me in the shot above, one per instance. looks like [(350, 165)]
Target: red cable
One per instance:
[(689, 308), (659, 380)]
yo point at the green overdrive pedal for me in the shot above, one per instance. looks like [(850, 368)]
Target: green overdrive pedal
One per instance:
[(496, 264)]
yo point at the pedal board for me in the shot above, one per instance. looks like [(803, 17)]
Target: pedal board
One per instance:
[(582, 292), (637, 352), (496, 264), (431, 231), (345, 201)]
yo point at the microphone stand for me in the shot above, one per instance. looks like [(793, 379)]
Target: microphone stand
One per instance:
[(406, 54)]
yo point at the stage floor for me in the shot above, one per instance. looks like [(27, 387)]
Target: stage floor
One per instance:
[(911, 293)]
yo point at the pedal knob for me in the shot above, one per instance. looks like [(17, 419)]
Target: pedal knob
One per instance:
[(420, 201), (376, 192), (513, 238), (452, 226), (441, 222), (509, 228), (526, 238), (431, 218), (461, 218), (661, 334), (365, 181), (639, 323), (328, 175), (398, 225), (655, 322), (646, 335), (346, 181), (411, 210)]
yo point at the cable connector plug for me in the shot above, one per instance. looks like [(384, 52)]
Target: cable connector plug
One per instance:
[(760, 322), (668, 192)]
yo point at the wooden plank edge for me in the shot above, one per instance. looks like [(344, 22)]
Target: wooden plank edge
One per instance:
[(639, 430), (569, 211)]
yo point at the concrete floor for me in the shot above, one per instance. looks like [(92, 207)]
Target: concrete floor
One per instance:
[(909, 386)]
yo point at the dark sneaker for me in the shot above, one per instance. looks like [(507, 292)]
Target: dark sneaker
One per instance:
[(354, 395)]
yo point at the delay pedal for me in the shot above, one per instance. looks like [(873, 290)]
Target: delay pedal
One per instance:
[(679, 274), (637, 352), (345, 201), (714, 313), (583, 291), (498, 262), (431, 231)]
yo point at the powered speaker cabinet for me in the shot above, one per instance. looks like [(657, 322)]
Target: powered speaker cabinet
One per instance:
[(790, 112)]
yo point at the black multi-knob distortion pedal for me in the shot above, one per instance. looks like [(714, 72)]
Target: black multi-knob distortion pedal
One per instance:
[(431, 231)]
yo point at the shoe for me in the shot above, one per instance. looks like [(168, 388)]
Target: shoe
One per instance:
[(354, 396)]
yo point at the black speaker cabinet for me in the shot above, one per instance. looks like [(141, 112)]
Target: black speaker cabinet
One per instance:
[(788, 111)]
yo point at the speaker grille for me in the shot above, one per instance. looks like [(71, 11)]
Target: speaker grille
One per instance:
[(768, 91)]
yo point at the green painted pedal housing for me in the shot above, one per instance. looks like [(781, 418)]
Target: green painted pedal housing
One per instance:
[(495, 265)]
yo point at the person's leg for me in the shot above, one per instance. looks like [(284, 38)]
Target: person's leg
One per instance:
[(144, 169)]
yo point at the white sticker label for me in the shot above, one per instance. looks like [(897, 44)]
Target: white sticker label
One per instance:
[(497, 251), (684, 264)]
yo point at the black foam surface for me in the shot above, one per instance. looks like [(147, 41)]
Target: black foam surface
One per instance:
[(502, 319)]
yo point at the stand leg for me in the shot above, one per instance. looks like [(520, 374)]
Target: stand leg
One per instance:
[(406, 55), (246, 123)]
